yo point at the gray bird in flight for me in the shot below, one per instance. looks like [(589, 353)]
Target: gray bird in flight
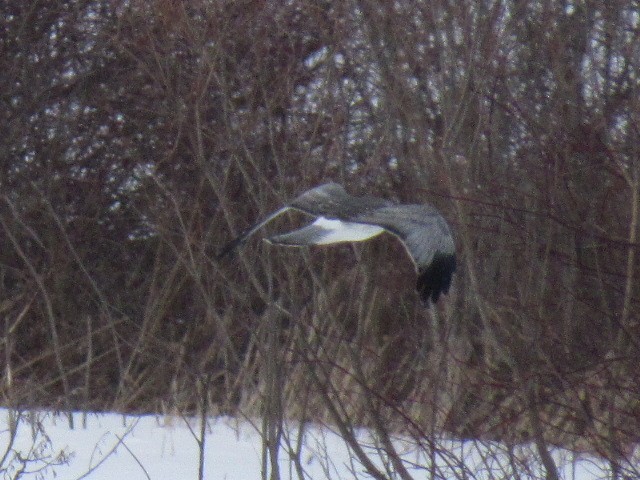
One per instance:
[(341, 217)]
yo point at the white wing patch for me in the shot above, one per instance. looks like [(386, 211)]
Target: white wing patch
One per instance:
[(335, 231)]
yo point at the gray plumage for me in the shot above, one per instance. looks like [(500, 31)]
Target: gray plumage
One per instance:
[(341, 217)]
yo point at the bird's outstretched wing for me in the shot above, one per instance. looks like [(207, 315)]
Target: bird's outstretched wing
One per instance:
[(427, 238), (321, 200)]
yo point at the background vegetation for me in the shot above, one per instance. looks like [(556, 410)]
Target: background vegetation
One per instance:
[(137, 137)]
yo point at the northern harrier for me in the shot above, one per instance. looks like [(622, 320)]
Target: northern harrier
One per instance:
[(341, 217)]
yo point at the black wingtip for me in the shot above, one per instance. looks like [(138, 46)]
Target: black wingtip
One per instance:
[(435, 279), (230, 247)]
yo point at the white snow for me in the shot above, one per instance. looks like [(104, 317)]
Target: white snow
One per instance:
[(113, 446)]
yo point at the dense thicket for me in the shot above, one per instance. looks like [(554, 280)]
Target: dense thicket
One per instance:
[(137, 137)]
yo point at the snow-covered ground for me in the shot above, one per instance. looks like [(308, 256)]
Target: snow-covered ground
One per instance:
[(113, 446)]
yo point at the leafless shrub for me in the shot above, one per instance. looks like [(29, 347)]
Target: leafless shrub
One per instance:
[(140, 136)]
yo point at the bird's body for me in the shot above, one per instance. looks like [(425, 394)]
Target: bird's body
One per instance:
[(341, 217)]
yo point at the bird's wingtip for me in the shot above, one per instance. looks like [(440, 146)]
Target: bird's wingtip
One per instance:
[(229, 247), (435, 279)]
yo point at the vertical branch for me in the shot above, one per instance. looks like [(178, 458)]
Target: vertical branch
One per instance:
[(634, 224), (87, 368), (272, 401), (551, 469), (202, 387)]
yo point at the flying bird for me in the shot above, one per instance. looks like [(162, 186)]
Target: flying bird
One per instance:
[(340, 217)]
